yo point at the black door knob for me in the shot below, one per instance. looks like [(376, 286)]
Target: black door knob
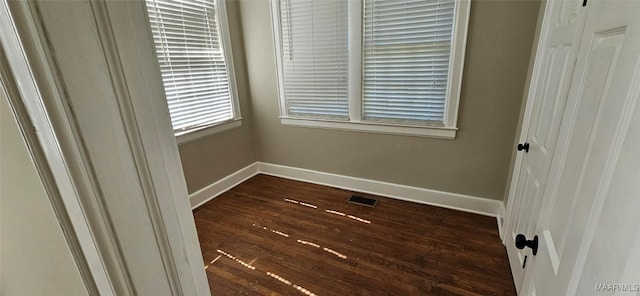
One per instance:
[(524, 147), (521, 242)]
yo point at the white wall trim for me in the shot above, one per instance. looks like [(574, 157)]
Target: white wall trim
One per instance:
[(455, 201), (199, 133), (210, 192), (438, 132)]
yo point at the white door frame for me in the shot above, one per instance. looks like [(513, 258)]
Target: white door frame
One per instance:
[(65, 153), (52, 165)]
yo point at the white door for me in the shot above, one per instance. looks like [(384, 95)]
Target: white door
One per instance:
[(556, 53), (594, 134)]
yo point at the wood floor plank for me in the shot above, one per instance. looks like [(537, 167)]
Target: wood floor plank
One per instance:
[(284, 237)]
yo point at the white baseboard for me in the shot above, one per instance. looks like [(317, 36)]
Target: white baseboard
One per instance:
[(455, 201), (461, 202), (500, 220), (206, 194)]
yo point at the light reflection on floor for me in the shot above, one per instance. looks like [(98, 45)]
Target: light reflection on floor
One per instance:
[(308, 243), (349, 216), (291, 200), (300, 241), (359, 219), (271, 274), (306, 204), (247, 265), (303, 290), (335, 212), (214, 260), (272, 230), (279, 278), (335, 253)]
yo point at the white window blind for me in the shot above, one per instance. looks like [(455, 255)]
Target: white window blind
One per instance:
[(190, 52), (406, 56), (315, 57)]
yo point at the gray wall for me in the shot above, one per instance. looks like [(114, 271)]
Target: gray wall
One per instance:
[(34, 256), (475, 163), (212, 158)]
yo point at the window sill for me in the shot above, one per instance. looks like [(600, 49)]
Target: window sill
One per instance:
[(448, 133), (197, 134)]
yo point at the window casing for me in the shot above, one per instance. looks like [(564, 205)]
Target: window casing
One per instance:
[(384, 66), (194, 54)]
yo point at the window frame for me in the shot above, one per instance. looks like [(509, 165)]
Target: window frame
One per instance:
[(196, 133), (356, 123)]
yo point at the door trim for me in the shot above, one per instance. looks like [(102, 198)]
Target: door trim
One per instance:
[(51, 126), (44, 132)]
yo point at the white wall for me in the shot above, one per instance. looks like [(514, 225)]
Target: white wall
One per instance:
[(34, 256)]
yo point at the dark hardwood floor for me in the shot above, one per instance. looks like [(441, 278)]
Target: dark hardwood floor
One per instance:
[(273, 236)]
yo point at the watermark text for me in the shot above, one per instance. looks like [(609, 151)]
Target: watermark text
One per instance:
[(601, 287)]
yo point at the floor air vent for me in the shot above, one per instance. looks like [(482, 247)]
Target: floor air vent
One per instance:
[(365, 201)]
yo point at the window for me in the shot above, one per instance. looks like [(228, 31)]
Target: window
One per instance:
[(316, 58), (373, 65), (192, 47)]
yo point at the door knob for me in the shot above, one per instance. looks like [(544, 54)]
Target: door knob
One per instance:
[(521, 242), (524, 147)]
